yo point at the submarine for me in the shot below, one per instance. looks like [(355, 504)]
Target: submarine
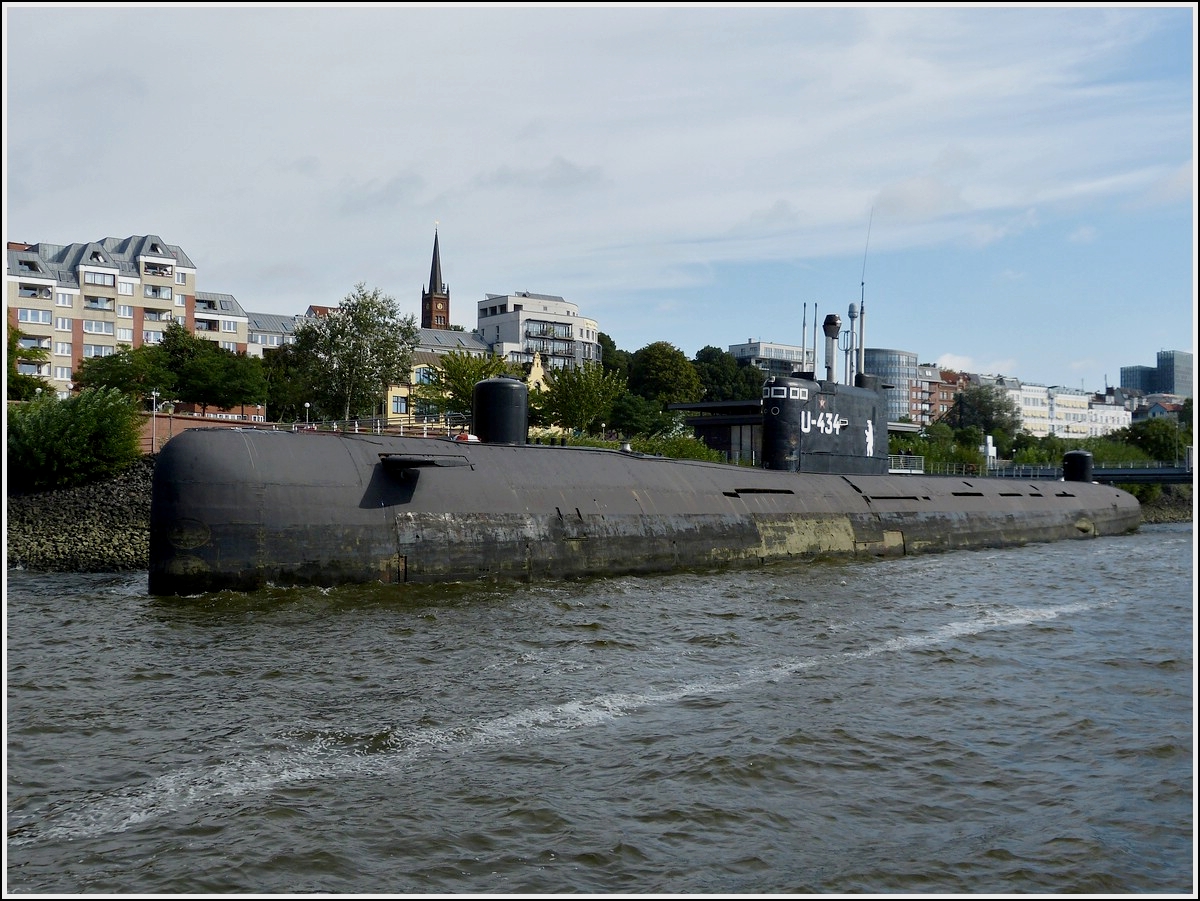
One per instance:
[(245, 508)]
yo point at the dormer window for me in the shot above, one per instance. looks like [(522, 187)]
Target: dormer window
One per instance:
[(154, 248), (29, 266), (97, 256)]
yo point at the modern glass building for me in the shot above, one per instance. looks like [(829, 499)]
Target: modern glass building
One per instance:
[(1172, 375), (897, 368)]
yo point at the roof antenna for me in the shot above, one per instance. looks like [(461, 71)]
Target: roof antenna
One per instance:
[(862, 299), (804, 340)]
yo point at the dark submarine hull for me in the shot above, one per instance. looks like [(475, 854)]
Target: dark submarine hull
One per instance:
[(245, 508)]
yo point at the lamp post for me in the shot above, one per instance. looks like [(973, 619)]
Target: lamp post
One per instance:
[(306, 413), (154, 421)]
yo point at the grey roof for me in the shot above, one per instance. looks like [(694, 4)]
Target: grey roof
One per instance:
[(61, 262), (528, 294), (446, 340), (226, 303), (273, 323)]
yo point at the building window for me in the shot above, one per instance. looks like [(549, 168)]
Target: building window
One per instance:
[(97, 327), (125, 334), (42, 317), (62, 348), (98, 350), (155, 292), (399, 405), (180, 300), (228, 325), (99, 278), (36, 291), (62, 324), (180, 277), (230, 346), (62, 373), (63, 299), (97, 303), (152, 337), (125, 288), (124, 311)]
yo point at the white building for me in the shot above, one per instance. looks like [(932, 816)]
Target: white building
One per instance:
[(518, 326)]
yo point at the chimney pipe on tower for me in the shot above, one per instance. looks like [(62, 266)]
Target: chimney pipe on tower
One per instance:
[(831, 327)]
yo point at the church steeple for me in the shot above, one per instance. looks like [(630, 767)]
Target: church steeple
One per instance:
[(435, 303)]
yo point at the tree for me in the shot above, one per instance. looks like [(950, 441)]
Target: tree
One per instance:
[(218, 377), (661, 372), (723, 378), (134, 372), (581, 398), (357, 351), (986, 406), (287, 384), (451, 386), (1160, 438), (21, 385), (612, 359), (633, 415), (57, 443)]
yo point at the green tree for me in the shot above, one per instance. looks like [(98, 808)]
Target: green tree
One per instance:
[(661, 372), (57, 443), (1160, 438), (357, 351), (221, 378), (287, 383), (722, 377), (633, 415), (611, 358), (22, 347), (133, 371), (451, 385), (581, 398), (986, 406)]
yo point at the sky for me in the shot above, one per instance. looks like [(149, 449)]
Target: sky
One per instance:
[(1005, 189)]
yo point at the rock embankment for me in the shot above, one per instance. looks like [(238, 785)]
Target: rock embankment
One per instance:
[(105, 527), (102, 527)]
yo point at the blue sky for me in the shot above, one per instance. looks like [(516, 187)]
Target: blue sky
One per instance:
[(1010, 189)]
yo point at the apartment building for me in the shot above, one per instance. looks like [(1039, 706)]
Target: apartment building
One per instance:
[(775, 359), (77, 301), (522, 326)]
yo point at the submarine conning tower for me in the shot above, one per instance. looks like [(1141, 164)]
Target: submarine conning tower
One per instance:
[(821, 426), (500, 410)]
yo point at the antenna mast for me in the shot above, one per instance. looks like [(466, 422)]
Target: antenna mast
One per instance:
[(862, 299), (804, 340)]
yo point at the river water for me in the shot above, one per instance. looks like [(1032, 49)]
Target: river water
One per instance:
[(1008, 721)]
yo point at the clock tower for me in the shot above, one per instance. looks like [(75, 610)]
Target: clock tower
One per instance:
[(435, 303)]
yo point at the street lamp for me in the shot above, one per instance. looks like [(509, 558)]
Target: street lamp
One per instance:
[(306, 412), (153, 420)]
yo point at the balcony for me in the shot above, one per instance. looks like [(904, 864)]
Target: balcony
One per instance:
[(157, 293), (156, 270), (38, 291), (98, 303)]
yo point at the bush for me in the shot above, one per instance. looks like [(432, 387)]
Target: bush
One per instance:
[(55, 443)]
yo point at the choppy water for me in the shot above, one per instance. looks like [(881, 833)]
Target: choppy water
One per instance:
[(1017, 721)]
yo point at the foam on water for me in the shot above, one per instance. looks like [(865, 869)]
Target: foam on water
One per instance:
[(325, 757)]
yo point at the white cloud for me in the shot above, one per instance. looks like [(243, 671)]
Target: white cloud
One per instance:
[(594, 152)]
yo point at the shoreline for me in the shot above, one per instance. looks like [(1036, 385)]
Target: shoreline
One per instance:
[(105, 526)]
